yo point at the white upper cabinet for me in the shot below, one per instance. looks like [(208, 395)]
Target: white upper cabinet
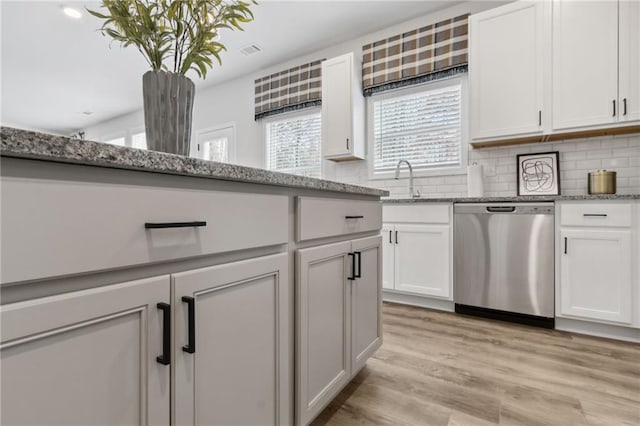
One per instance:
[(508, 70), (595, 63), (629, 61), (342, 109)]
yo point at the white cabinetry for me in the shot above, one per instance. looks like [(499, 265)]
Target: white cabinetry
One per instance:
[(417, 249), (88, 357), (342, 109), (231, 344), (339, 319), (590, 91), (509, 69), (596, 275)]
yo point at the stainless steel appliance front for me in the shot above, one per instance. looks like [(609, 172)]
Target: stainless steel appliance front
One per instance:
[(504, 257)]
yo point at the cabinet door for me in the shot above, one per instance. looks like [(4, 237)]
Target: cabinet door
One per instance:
[(366, 301), (87, 357), (585, 63), (423, 260), (629, 60), (388, 260), (595, 275), (337, 113), (507, 70), (323, 335), (232, 347)]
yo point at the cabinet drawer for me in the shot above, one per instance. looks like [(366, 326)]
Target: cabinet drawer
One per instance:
[(327, 217), (54, 228), (595, 214), (417, 213)]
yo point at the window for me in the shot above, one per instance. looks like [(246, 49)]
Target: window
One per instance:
[(423, 125), (116, 141), (139, 140), (293, 145), (216, 143)]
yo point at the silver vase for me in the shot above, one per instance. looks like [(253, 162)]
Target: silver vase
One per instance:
[(168, 104)]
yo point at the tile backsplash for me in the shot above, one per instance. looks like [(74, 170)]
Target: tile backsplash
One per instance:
[(577, 157)]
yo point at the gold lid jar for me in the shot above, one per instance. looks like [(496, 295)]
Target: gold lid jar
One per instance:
[(602, 182)]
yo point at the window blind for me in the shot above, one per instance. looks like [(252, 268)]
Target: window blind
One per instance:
[(293, 145), (424, 54), (424, 128), (289, 90)]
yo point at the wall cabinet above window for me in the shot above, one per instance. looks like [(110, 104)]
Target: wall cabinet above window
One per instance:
[(342, 109)]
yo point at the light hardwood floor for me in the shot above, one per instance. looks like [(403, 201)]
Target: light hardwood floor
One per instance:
[(438, 368)]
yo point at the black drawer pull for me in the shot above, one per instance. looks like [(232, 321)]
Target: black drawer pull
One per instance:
[(354, 217), (190, 347), (595, 215), (359, 274), (565, 245), (164, 225), (165, 358)]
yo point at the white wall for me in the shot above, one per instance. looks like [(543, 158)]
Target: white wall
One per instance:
[(233, 101)]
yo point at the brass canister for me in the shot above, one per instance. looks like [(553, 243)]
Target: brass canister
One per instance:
[(602, 182)]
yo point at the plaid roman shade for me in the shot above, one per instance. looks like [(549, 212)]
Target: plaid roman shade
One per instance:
[(297, 88), (425, 54)]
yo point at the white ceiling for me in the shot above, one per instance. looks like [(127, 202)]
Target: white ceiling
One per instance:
[(55, 68)]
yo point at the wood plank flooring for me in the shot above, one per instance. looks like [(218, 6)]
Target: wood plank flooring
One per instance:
[(438, 368)]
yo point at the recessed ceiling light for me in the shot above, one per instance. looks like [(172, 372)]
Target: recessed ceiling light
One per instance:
[(71, 12)]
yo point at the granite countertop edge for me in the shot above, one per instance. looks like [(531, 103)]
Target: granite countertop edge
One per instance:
[(512, 199), (18, 143)]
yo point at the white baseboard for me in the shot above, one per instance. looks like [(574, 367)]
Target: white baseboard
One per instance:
[(597, 329), (421, 301)]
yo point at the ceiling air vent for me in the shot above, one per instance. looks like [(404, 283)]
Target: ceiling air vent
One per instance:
[(250, 49)]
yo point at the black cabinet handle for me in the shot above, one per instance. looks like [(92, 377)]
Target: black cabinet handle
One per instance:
[(539, 117), (614, 107), (359, 274), (501, 209), (390, 241), (191, 313), (565, 245), (624, 106), (354, 217), (595, 215), (165, 358), (396, 237), (164, 225), (347, 144), (353, 267)]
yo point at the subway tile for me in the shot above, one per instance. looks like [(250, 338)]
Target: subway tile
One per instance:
[(612, 163), (588, 164), (599, 153)]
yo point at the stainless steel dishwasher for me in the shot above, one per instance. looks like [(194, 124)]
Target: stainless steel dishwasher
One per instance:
[(504, 261)]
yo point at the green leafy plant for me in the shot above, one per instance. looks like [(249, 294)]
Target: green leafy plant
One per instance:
[(184, 32)]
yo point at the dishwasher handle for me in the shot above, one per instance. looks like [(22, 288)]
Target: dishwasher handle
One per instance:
[(501, 209)]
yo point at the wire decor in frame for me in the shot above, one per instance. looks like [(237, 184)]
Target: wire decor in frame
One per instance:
[(538, 174)]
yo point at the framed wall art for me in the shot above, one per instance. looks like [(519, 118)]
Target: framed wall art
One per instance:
[(538, 174)]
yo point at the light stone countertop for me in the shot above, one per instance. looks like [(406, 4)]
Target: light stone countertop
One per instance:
[(513, 199), (25, 144)]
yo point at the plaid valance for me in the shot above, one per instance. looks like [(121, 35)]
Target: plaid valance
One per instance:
[(428, 53), (297, 88)]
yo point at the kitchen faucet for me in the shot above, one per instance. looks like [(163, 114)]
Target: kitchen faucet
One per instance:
[(413, 194)]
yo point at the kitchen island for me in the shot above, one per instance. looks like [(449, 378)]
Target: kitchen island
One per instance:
[(142, 287)]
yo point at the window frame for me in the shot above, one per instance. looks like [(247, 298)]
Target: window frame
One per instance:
[(460, 169), (316, 110), (231, 148)]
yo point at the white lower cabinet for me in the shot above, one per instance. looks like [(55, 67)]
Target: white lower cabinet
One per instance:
[(113, 355), (230, 346), (88, 357), (339, 319), (417, 259), (597, 266), (596, 275)]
